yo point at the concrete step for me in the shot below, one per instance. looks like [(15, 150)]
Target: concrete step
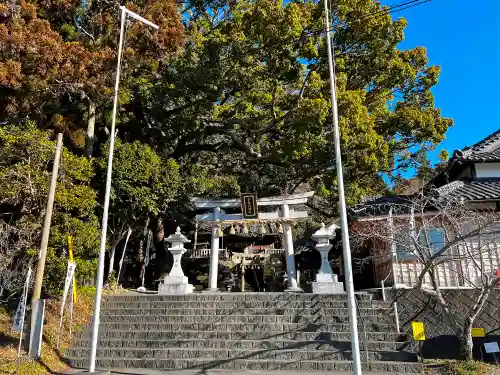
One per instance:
[(231, 354), (114, 303), (238, 297), (241, 344), (247, 364), (243, 319), (262, 327), (152, 334), (242, 311)]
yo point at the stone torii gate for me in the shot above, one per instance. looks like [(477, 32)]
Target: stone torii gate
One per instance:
[(284, 213)]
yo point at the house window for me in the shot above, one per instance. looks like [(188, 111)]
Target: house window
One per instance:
[(405, 252), (435, 238)]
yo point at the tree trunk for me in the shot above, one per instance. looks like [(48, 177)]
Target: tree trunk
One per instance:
[(129, 232), (159, 230), (112, 257), (466, 343), (89, 144), (146, 257), (141, 247)]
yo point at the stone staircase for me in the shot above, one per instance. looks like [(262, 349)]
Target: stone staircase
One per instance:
[(244, 331)]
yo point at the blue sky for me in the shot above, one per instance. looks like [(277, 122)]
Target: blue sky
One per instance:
[(463, 37)]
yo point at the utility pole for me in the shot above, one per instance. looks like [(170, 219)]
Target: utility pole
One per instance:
[(104, 224), (346, 248), (37, 305)]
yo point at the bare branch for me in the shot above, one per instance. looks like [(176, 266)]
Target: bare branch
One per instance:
[(448, 242)]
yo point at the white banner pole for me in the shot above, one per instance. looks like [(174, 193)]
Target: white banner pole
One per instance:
[(23, 313), (71, 311), (67, 283)]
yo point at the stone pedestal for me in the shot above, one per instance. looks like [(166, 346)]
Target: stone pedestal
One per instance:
[(175, 285), (176, 282), (326, 281)]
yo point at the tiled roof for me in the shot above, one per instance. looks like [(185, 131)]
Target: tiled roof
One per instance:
[(493, 140), (473, 190), (481, 156), (378, 205), (478, 190), (487, 149)]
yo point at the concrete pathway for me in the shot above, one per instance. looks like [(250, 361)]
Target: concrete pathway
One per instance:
[(227, 372)]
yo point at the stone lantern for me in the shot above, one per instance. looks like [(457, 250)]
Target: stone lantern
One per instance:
[(326, 281), (176, 282)]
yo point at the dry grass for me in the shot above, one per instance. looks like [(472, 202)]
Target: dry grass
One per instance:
[(51, 360), (463, 368)]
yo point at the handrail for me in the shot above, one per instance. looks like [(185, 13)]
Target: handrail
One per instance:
[(382, 283), (396, 314), (224, 253), (396, 317), (205, 253)]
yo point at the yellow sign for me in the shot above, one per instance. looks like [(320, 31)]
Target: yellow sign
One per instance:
[(418, 331), (478, 332), (70, 251)]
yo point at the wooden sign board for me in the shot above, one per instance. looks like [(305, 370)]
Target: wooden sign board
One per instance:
[(418, 331), (478, 332), (249, 206)]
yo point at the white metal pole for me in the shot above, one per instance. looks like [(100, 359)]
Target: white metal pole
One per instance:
[(139, 18), (104, 224), (353, 319)]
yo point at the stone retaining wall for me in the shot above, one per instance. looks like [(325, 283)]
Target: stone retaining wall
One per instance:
[(441, 341)]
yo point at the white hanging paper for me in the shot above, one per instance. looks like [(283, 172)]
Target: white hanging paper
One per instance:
[(67, 283), (18, 321)]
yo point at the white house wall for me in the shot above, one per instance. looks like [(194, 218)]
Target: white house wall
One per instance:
[(450, 273), (487, 170)]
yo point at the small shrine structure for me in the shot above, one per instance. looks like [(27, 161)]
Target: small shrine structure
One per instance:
[(274, 209)]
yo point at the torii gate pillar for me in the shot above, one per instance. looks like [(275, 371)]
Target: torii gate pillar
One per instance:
[(213, 273), (290, 254)]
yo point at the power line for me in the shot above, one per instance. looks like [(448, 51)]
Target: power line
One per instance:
[(390, 9), (399, 10), (411, 6), (380, 13)]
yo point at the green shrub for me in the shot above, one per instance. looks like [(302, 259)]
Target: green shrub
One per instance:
[(86, 291), (113, 283)]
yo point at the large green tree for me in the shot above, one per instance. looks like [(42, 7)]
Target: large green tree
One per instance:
[(58, 58), (143, 186), (26, 156), (249, 96)]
